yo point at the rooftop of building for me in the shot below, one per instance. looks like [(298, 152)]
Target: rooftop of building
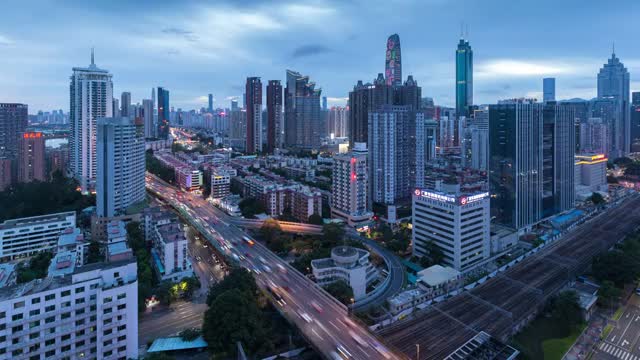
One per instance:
[(176, 343), (405, 297), (63, 263), (70, 236), (33, 220), (118, 248), (116, 229), (7, 270), (171, 232), (437, 275)]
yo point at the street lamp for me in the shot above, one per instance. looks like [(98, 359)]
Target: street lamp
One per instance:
[(417, 351)]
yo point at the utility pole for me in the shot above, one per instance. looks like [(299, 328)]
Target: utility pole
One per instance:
[(417, 351)]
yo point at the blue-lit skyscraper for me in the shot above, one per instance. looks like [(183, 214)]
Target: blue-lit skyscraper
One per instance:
[(163, 113), (549, 89), (464, 78)]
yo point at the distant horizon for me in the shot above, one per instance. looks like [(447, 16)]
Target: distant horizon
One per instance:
[(195, 48)]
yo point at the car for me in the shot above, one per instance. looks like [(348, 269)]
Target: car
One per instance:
[(316, 306), (305, 316), (266, 268), (358, 339), (344, 353)]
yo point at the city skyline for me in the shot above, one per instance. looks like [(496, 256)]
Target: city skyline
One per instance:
[(264, 41)]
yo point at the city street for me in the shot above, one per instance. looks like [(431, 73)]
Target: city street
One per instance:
[(623, 341), (167, 321)]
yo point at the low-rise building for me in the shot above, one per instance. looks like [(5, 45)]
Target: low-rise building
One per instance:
[(169, 252), (348, 264), (72, 240), (188, 178), (439, 280), (230, 204), (27, 236), (590, 175)]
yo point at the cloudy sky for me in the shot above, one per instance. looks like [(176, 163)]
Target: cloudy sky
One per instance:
[(198, 47)]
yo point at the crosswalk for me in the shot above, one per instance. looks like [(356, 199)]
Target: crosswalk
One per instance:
[(617, 352)]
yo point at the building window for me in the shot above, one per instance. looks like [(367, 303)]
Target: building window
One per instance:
[(65, 293), (79, 290), (17, 317), (34, 312), (50, 353), (34, 324), (50, 308), (49, 320), (32, 336), (18, 305), (50, 297), (65, 337), (50, 342), (16, 329), (79, 333), (35, 300)]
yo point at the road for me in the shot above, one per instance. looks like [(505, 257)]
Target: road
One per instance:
[(321, 319), (623, 342), (168, 321), (286, 226)]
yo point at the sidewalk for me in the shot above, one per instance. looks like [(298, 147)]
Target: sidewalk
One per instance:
[(589, 337)]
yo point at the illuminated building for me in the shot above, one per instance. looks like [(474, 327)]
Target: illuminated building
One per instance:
[(349, 189), (590, 173), (121, 165), (303, 122), (253, 101), (275, 132), (464, 78), (163, 113), (594, 136), (613, 84), (31, 162), (91, 93), (347, 264), (456, 223), (393, 61)]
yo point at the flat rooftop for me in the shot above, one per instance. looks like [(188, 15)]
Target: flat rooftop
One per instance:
[(28, 221)]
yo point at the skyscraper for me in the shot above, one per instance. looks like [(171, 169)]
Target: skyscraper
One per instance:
[(121, 165), (480, 140), (13, 121), (635, 122), (302, 112), (210, 103), (274, 115), (338, 119), (125, 104), (115, 107), (613, 84), (349, 190), (393, 61), (396, 153), (164, 113), (253, 100), (147, 115), (91, 95), (366, 98), (549, 89), (31, 163), (464, 78)]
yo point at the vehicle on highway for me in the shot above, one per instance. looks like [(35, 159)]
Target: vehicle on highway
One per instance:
[(335, 356), (262, 260), (247, 254), (316, 306), (266, 268), (382, 350), (248, 240), (344, 353), (358, 339), (305, 316), (235, 257), (282, 268)]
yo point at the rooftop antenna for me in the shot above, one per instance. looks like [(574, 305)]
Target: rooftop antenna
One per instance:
[(92, 62), (461, 30), (613, 49), (467, 34)]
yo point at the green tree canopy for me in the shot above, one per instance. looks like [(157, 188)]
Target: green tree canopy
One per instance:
[(238, 278), (315, 219), (341, 291)]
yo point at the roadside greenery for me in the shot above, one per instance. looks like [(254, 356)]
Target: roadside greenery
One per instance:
[(157, 168), (341, 291), (146, 277), (621, 265), (35, 268), (250, 207)]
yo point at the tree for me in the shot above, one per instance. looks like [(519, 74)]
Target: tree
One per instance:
[(272, 234), (189, 334), (341, 291), (565, 309), (94, 254), (165, 293), (608, 294), (36, 268), (387, 233), (332, 234), (157, 168), (250, 207), (188, 286), (597, 199), (238, 278), (315, 219)]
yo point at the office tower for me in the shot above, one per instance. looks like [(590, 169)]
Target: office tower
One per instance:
[(210, 108), (115, 107), (302, 112), (125, 105), (594, 136), (531, 161), (234, 105), (464, 78), (613, 84), (274, 116), (91, 93), (635, 122), (147, 115), (549, 89), (337, 121), (366, 98), (393, 61), (121, 165), (163, 113), (13, 121), (396, 153), (5, 173), (76, 312), (324, 103), (455, 222), (31, 164), (480, 140), (253, 100), (430, 139), (350, 187)]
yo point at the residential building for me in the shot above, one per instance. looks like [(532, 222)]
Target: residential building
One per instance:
[(121, 165), (303, 202), (613, 84), (275, 131), (57, 160), (464, 78), (220, 183), (27, 236), (363, 99), (115, 107), (253, 99), (337, 122), (76, 312), (31, 161), (635, 122), (163, 113), (169, 252), (456, 223), (125, 105), (396, 153), (210, 108), (5, 173), (349, 189), (147, 114), (548, 89), (91, 94), (302, 119), (594, 136), (480, 140), (347, 264), (13, 122), (393, 61)]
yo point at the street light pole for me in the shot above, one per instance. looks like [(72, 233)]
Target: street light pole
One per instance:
[(417, 351)]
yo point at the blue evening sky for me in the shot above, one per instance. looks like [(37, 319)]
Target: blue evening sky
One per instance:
[(198, 47)]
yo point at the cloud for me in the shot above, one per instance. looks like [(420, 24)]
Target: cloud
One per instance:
[(5, 41), (501, 68), (181, 32), (309, 50)]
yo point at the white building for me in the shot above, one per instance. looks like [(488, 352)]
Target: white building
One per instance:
[(121, 166), (348, 264), (221, 183), (91, 95), (480, 140), (27, 236), (349, 190), (88, 312), (456, 223), (169, 252), (590, 174)]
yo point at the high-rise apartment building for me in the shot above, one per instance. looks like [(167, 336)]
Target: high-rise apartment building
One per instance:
[(613, 84), (91, 94), (13, 121), (480, 140), (549, 89), (275, 132), (393, 61), (366, 98), (121, 165), (396, 153), (531, 154), (210, 108), (164, 113), (350, 187), (253, 100), (635, 122), (147, 116), (302, 112), (125, 105), (594, 136), (337, 121), (464, 78), (115, 107), (31, 161)]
